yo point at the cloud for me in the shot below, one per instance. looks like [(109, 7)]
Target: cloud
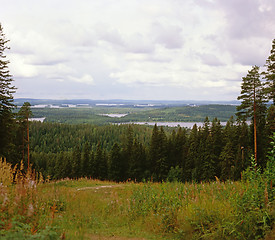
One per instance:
[(169, 36), (210, 59), (249, 18), (169, 49), (138, 43), (108, 34), (86, 79)]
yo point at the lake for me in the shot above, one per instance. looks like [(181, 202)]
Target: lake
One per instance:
[(38, 119), (172, 124), (114, 115)]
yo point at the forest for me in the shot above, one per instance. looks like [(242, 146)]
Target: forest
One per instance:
[(142, 152)]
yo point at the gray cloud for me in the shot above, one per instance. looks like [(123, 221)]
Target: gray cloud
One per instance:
[(252, 18), (210, 59), (150, 49), (169, 36)]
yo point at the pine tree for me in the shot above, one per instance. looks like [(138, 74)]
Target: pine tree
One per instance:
[(271, 120), (6, 98), (269, 74), (252, 104)]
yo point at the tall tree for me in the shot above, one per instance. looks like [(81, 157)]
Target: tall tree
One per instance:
[(6, 98), (207, 167), (227, 156), (23, 118), (158, 153), (192, 161), (252, 101), (115, 164), (85, 160), (217, 139), (269, 74), (76, 162)]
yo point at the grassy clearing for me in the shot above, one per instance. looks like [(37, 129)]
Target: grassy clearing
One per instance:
[(92, 209), (214, 210)]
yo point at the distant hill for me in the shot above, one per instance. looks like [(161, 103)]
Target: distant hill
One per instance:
[(120, 102)]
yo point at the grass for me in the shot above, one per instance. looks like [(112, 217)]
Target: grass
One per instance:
[(92, 209)]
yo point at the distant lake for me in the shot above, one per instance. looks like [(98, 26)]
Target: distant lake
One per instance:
[(38, 119), (114, 115), (172, 124)]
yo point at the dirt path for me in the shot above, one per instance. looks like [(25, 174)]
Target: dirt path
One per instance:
[(97, 237), (98, 187)]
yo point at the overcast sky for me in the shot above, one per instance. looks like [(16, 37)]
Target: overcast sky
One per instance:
[(135, 49)]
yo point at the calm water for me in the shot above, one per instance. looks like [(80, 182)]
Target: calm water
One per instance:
[(172, 124), (38, 119), (114, 115)]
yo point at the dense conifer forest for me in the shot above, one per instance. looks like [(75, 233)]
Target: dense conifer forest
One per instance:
[(142, 152)]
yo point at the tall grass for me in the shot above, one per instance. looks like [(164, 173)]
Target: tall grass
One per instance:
[(22, 213)]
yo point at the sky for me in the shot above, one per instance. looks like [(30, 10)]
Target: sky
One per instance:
[(135, 49)]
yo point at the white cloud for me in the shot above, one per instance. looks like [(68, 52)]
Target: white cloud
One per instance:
[(86, 79), (110, 48)]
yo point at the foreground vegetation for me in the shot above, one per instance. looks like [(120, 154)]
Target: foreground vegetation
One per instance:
[(86, 209)]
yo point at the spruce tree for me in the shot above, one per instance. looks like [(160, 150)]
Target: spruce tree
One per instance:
[(85, 160), (6, 98), (23, 119), (115, 164), (191, 163), (228, 154)]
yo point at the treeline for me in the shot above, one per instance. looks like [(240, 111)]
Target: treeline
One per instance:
[(121, 152)]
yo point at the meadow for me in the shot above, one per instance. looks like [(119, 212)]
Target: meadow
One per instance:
[(35, 208)]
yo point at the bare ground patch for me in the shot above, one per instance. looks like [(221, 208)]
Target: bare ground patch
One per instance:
[(99, 237)]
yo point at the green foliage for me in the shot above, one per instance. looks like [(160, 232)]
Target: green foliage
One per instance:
[(175, 174), (6, 99), (65, 150), (256, 204), (269, 74), (200, 211)]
